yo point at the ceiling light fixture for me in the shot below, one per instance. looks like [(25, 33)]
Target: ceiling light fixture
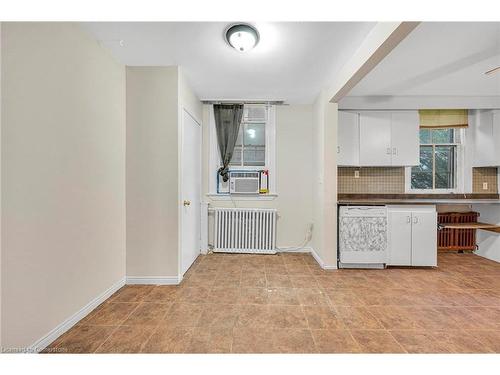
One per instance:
[(242, 37)]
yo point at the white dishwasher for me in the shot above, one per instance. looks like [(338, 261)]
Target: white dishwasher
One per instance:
[(362, 236)]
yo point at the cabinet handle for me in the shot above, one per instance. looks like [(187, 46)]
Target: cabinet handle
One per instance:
[(394, 151), (415, 220), (388, 150), (408, 220), (338, 149)]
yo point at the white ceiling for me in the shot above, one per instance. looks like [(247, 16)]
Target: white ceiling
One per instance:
[(292, 62), (441, 59)]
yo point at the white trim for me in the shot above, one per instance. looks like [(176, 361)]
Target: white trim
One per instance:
[(154, 280), (180, 140), (308, 249), (50, 337), (285, 249), (320, 261)]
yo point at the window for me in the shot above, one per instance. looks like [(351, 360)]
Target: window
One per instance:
[(439, 151), (250, 149), (255, 148)]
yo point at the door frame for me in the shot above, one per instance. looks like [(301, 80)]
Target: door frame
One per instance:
[(180, 144)]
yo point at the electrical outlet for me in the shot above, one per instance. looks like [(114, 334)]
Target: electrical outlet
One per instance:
[(356, 174), (485, 186)]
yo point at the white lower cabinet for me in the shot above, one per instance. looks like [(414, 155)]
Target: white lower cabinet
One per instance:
[(412, 236)]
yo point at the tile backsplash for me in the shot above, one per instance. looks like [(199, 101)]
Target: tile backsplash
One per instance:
[(486, 175), (389, 180)]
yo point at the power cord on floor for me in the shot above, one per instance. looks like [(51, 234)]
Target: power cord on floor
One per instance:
[(307, 238)]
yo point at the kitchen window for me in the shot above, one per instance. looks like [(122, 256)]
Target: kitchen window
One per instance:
[(440, 161)]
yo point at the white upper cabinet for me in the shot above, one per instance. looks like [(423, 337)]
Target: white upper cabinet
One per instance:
[(486, 139), (375, 139), (378, 138), (405, 138), (348, 139)]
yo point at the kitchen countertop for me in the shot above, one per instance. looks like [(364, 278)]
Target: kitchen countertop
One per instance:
[(417, 198)]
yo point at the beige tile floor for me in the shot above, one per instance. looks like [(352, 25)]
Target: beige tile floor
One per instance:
[(287, 304)]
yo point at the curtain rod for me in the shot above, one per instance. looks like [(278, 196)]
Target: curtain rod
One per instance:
[(268, 102)]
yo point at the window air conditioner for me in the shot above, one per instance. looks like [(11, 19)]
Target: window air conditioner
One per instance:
[(244, 182)]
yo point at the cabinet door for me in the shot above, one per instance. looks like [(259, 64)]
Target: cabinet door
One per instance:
[(424, 239), (399, 244), (484, 143), (348, 139), (375, 139), (405, 138)]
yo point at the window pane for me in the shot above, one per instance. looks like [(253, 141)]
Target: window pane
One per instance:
[(254, 150), (255, 135), (445, 167), (236, 159), (254, 155), (442, 135), (421, 176), (425, 136)]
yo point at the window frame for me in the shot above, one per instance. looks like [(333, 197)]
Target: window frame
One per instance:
[(270, 158), (459, 167)]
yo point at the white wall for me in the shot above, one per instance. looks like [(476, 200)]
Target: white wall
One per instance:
[(0, 185), (63, 176), (294, 160), (324, 177), (152, 160), (188, 99), (155, 97)]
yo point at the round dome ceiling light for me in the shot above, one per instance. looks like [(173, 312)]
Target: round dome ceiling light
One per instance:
[(242, 37)]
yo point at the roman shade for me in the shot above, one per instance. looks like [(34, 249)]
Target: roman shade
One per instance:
[(444, 118)]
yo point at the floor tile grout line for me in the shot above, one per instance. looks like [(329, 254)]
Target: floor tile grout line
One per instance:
[(309, 329), (116, 329), (397, 341), (154, 330)]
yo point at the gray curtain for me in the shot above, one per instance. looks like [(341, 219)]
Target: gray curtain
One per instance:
[(227, 124)]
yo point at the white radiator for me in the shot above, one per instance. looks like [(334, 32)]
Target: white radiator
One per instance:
[(245, 230)]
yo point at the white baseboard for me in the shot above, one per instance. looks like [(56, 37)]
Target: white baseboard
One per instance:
[(305, 249), (321, 263), (154, 280), (309, 249), (50, 337)]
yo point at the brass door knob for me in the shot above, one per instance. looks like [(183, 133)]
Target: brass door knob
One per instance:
[(186, 203)]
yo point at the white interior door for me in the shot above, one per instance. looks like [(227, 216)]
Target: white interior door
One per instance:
[(191, 191)]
